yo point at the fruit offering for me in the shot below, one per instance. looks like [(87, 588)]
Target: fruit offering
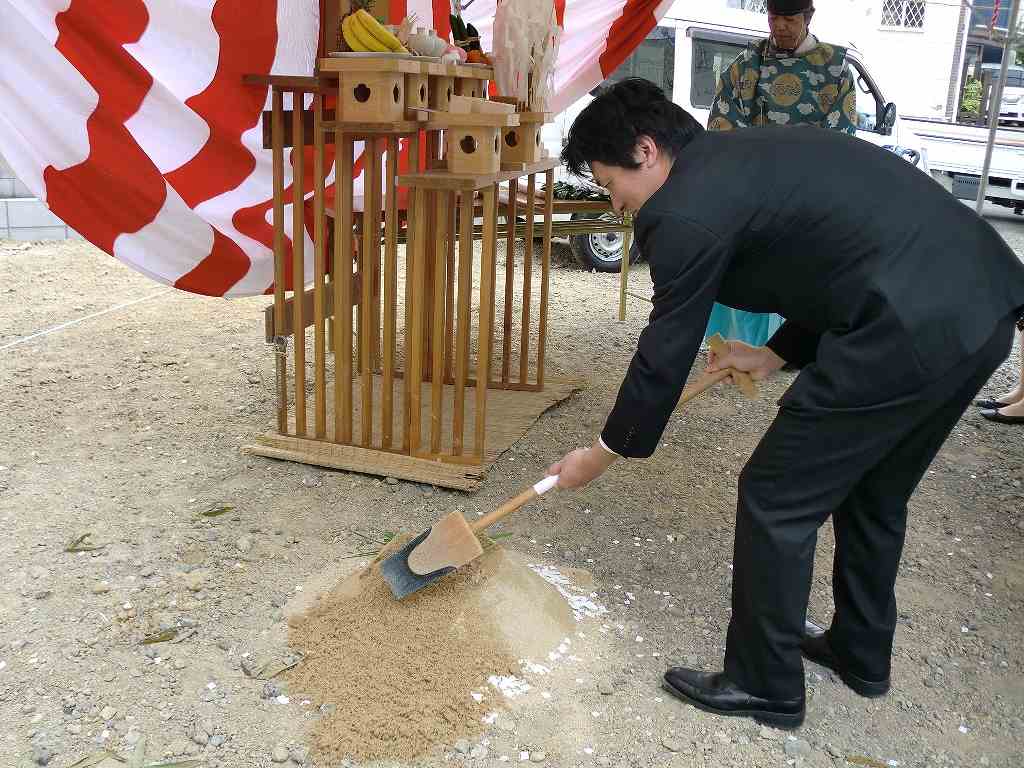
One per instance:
[(362, 32)]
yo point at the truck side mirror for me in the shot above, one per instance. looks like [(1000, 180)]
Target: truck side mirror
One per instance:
[(888, 119)]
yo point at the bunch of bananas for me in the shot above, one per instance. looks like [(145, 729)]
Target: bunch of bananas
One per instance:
[(362, 32)]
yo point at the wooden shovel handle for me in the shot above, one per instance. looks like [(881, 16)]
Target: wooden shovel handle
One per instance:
[(743, 380), (512, 505)]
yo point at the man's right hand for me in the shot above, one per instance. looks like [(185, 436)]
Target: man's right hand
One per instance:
[(759, 362)]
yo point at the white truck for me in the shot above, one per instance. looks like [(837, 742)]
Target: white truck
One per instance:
[(685, 54)]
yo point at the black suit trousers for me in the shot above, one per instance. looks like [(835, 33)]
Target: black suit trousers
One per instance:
[(859, 466)]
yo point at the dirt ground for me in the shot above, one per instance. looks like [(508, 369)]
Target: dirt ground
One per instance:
[(128, 424)]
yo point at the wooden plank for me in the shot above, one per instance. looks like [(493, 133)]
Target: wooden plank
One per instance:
[(486, 317), (438, 120), (289, 82), (437, 333), (510, 271), (415, 334), (447, 474), (390, 286), (342, 283), (308, 310), (545, 275), (463, 321), (277, 130), (368, 255), (359, 129), (524, 339), (333, 64), (444, 180), (319, 264), (298, 269), (307, 125)]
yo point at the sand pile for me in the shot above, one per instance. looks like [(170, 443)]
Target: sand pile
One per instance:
[(408, 677)]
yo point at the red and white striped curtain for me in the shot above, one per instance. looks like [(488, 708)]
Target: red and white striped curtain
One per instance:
[(131, 121)]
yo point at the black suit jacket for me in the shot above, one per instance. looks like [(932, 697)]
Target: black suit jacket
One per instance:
[(885, 279)]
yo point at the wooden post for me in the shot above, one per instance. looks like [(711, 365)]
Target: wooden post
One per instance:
[(298, 265), (390, 293), (483, 363), (449, 299), (277, 144), (510, 270), (437, 333), (411, 219), (627, 221), (342, 284), (463, 320), (319, 362), (524, 342), (369, 255), (414, 336), (545, 274)]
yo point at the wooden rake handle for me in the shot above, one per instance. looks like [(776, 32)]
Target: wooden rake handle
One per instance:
[(510, 506)]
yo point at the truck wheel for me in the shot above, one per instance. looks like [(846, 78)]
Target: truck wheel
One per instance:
[(602, 250)]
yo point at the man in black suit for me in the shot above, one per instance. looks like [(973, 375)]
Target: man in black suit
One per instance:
[(900, 303)]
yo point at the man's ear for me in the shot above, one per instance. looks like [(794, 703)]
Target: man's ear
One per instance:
[(646, 151)]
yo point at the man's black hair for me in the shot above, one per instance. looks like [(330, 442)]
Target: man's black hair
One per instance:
[(607, 130)]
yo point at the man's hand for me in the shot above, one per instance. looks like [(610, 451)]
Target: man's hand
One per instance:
[(579, 467), (759, 362)]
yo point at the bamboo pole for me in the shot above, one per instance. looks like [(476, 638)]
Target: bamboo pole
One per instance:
[(524, 341), (490, 215), (463, 320), (439, 285), (415, 333), (298, 262), (319, 363), (545, 274), (281, 360), (390, 285), (342, 284), (369, 254), (510, 270)]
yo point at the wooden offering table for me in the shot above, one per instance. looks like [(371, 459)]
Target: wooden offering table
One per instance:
[(416, 374)]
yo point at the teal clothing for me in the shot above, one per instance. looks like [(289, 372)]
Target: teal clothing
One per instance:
[(761, 87)]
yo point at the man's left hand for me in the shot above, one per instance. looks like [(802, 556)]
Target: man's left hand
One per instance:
[(579, 467)]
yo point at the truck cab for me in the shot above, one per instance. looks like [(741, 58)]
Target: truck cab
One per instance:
[(685, 54)]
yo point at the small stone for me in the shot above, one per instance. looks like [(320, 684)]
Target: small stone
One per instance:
[(676, 612), (224, 645), (42, 755), (132, 737), (391, 480), (178, 664), (671, 743), (462, 747), (17, 645), (250, 666), (100, 588), (73, 728), (37, 572), (199, 736), (538, 756), (271, 690), (108, 713), (605, 688), (312, 481), (479, 752), (218, 740), (280, 754), (833, 750), (194, 581), (147, 572), (766, 733), (797, 748), (244, 544), (300, 755)]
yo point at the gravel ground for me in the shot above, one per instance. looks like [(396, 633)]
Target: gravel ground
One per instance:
[(127, 425)]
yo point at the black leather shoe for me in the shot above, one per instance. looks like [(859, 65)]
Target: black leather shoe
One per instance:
[(1001, 418), (990, 404), (815, 648), (714, 692)]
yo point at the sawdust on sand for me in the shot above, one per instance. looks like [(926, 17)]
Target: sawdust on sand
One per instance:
[(401, 676)]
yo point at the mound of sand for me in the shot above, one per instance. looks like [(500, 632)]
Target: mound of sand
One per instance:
[(401, 675)]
